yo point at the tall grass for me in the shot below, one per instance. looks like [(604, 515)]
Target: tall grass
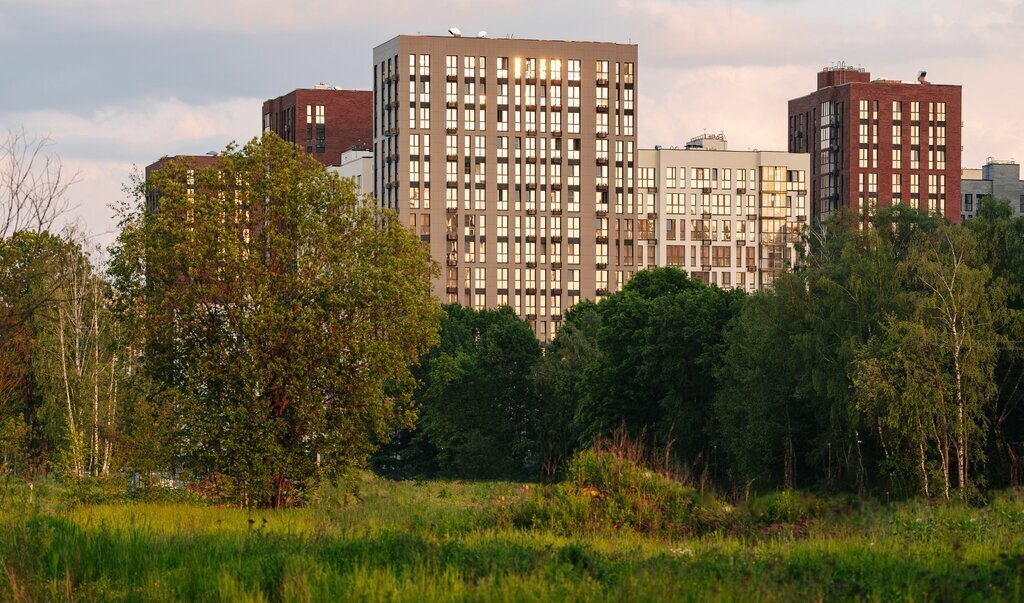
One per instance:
[(452, 541)]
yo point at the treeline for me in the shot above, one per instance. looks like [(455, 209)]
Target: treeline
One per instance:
[(890, 360), (253, 329)]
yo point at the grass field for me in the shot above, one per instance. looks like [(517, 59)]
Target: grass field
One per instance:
[(450, 541)]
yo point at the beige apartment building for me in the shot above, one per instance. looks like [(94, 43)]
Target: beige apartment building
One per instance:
[(729, 218), (514, 161)]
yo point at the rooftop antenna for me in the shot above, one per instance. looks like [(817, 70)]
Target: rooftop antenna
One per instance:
[(455, 31)]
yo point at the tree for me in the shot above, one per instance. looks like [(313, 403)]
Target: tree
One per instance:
[(559, 379), (658, 343), (278, 316), (33, 195), (479, 406)]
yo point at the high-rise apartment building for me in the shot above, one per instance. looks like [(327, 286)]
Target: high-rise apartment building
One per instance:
[(878, 142), (999, 179), (514, 160), (729, 218), (194, 162), (324, 120)]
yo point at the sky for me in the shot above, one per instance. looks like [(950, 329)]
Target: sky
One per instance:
[(116, 84)]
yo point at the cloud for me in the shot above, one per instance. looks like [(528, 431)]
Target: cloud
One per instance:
[(106, 146)]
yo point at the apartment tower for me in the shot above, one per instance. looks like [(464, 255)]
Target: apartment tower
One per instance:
[(324, 120), (877, 142), (514, 161), (728, 218)]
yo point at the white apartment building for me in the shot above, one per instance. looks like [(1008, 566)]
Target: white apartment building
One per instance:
[(729, 218), (357, 166)]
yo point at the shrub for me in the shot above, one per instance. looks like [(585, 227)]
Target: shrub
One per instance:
[(785, 506), (603, 490)]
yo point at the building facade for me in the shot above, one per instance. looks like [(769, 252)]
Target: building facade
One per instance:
[(999, 179), (195, 162), (878, 142), (324, 121), (729, 218), (514, 161), (357, 166)]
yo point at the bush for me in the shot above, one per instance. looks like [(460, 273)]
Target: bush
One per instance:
[(785, 506), (603, 490)]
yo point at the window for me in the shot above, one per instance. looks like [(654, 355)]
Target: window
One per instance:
[(574, 70), (968, 202)]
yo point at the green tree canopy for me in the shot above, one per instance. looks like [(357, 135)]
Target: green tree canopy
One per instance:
[(278, 315)]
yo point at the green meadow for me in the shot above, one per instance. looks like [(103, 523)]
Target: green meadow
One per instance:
[(500, 541)]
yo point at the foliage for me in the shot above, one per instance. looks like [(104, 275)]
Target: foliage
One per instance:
[(658, 344), (449, 541), (479, 407), (278, 316)]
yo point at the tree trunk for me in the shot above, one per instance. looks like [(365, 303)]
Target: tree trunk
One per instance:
[(75, 452)]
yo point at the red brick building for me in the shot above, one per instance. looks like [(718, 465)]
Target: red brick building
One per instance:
[(195, 162), (324, 121), (878, 142)]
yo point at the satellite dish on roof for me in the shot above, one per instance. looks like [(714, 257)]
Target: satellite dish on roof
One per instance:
[(481, 34), (455, 31)]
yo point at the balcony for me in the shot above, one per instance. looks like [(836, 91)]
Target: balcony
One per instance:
[(601, 213), (601, 239), (556, 133), (531, 264), (601, 266), (602, 187), (451, 157), (451, 290), (451, 236), (602, 81), (530, 108), (556, 265), (531, 291), (556, 211), (451, 77), (556, 107), (451, 105), (451, 130), (556, 238), (531, 238), (602, 108), (602, 161), (556, 291), (602, 134), (556, 186)]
